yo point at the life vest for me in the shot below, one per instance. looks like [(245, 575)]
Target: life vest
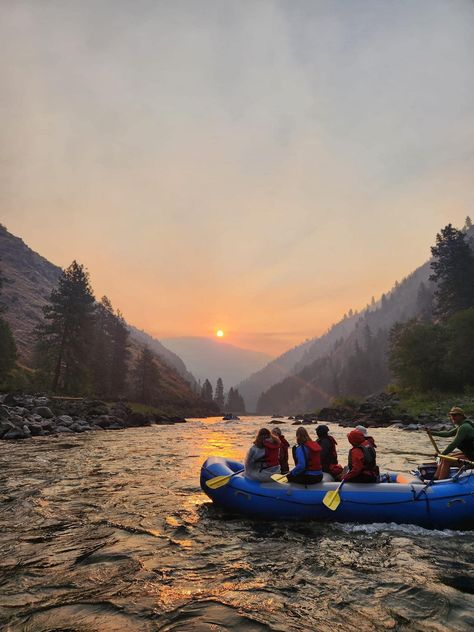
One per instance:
[(311, 450), (370, 457), (272, 454), (333, 453)]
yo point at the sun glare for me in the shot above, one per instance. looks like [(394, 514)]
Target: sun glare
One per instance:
[(219, 333)]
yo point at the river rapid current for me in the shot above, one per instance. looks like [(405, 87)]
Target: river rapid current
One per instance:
[(110, 531)]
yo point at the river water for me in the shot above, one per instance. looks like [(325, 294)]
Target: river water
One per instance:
[(109, 531)]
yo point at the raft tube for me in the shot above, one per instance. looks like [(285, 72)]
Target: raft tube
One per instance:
[(445, 504)]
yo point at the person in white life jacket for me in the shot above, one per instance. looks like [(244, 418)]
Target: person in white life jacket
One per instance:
[(306, 455), (262, 460), (362, 460)]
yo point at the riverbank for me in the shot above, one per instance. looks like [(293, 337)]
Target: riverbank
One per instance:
[(23, 416), (385, 410)]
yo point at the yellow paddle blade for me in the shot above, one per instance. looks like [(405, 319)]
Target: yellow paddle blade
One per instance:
[(218, 481), (332, 500), (279, 478)]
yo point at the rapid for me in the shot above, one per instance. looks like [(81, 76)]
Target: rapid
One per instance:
[(110, 531)]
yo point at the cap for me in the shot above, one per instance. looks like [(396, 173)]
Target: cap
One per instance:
[(362, 429), (455, 410)]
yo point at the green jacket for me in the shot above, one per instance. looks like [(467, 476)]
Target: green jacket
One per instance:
[(463, 438)]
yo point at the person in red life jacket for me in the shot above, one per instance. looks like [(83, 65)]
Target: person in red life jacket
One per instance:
[(306, 454), (368, 438), (284, 445), (262, 460), (328, 451), (362, 460)]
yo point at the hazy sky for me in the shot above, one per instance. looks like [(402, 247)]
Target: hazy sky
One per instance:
[(259, 166)]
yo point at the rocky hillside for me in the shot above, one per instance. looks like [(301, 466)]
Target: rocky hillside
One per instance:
[(28, 281), (315, 377)]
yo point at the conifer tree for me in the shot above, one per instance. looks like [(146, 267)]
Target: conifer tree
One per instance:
[(64, 338), (206, 391), (120, 355), (146, 377), (453, 272), (219, 394)]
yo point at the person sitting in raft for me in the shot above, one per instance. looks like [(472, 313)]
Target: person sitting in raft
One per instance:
[(463, 433), (262, 459), (328, 445), (283, 456), (368, 438), (306, 454), (362, 460)]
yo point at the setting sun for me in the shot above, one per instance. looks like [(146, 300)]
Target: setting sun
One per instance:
[(219, 333)]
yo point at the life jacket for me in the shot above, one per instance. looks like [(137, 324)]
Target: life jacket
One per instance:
[(370, 457), (272, 454), (333, 453), (311, 450)]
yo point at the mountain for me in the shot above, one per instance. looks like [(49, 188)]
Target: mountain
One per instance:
[(29, 279), (349, 359), (211, 359)]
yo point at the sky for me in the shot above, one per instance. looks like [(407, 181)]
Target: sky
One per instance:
[(255, 166)]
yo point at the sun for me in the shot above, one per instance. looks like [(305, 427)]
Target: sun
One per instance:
[(219, 333)]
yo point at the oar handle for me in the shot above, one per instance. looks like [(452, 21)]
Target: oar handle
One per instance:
[(453, 458), (428, 432)]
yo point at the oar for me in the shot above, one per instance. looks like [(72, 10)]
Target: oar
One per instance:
[(220, 481), (453, 458), (428, 432), (332, 499), (279, 478)]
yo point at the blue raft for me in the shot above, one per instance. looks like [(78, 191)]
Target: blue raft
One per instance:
[(445, 504)]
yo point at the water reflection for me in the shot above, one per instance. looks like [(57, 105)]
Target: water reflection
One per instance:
[(110, 531)]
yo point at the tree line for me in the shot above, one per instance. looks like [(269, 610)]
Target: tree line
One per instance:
[(82, 346), (436, 349), (8, 351), (233, 403)]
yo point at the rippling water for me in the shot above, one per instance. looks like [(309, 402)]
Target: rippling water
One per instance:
[(110, 531)]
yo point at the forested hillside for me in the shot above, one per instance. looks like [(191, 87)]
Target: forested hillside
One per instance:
[(101, 355), (355, 363)]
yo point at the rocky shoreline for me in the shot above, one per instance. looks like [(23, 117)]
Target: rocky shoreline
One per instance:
[(24, 416), (377, 411)]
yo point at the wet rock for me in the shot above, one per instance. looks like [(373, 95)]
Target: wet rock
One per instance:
[(65, 420), (44, 411), (15, 433), (26, 431), (41, 401), (6, 426), (62, 429), (36, 429), (103, 421), (135, 420)]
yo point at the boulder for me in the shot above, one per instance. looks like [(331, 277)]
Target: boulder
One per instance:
[(16, 433), (36, 429), (65, 420), (26, 431), (136, 420), (6, 426), (44, 411), (62, 429)]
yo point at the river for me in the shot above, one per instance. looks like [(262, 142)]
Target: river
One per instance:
[(109, 531)]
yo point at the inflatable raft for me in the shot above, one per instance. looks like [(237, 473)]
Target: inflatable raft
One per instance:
[(445, 504)]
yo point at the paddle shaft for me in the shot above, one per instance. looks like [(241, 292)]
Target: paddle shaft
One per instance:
[(428, 432), (453, 458)]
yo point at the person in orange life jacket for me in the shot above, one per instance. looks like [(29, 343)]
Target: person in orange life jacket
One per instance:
[(362, 460), (368, 438), (306, 454), (328, 451), (284, 445), (262, 460)]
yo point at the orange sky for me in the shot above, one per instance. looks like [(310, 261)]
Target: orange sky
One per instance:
[(256, 167)]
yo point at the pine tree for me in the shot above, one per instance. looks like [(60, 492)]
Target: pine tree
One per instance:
[(219, 394), (206, 391), (235, 402), (146, 377), (120, 355), (64, 338), (453, 272)]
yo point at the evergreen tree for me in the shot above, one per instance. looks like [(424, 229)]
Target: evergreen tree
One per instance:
[(235, 402), (467, 224), (453, 272), (64, 338), (206, 391), (460, 353), (146, 377), (110, 351), (219, 394), (424, 303)]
